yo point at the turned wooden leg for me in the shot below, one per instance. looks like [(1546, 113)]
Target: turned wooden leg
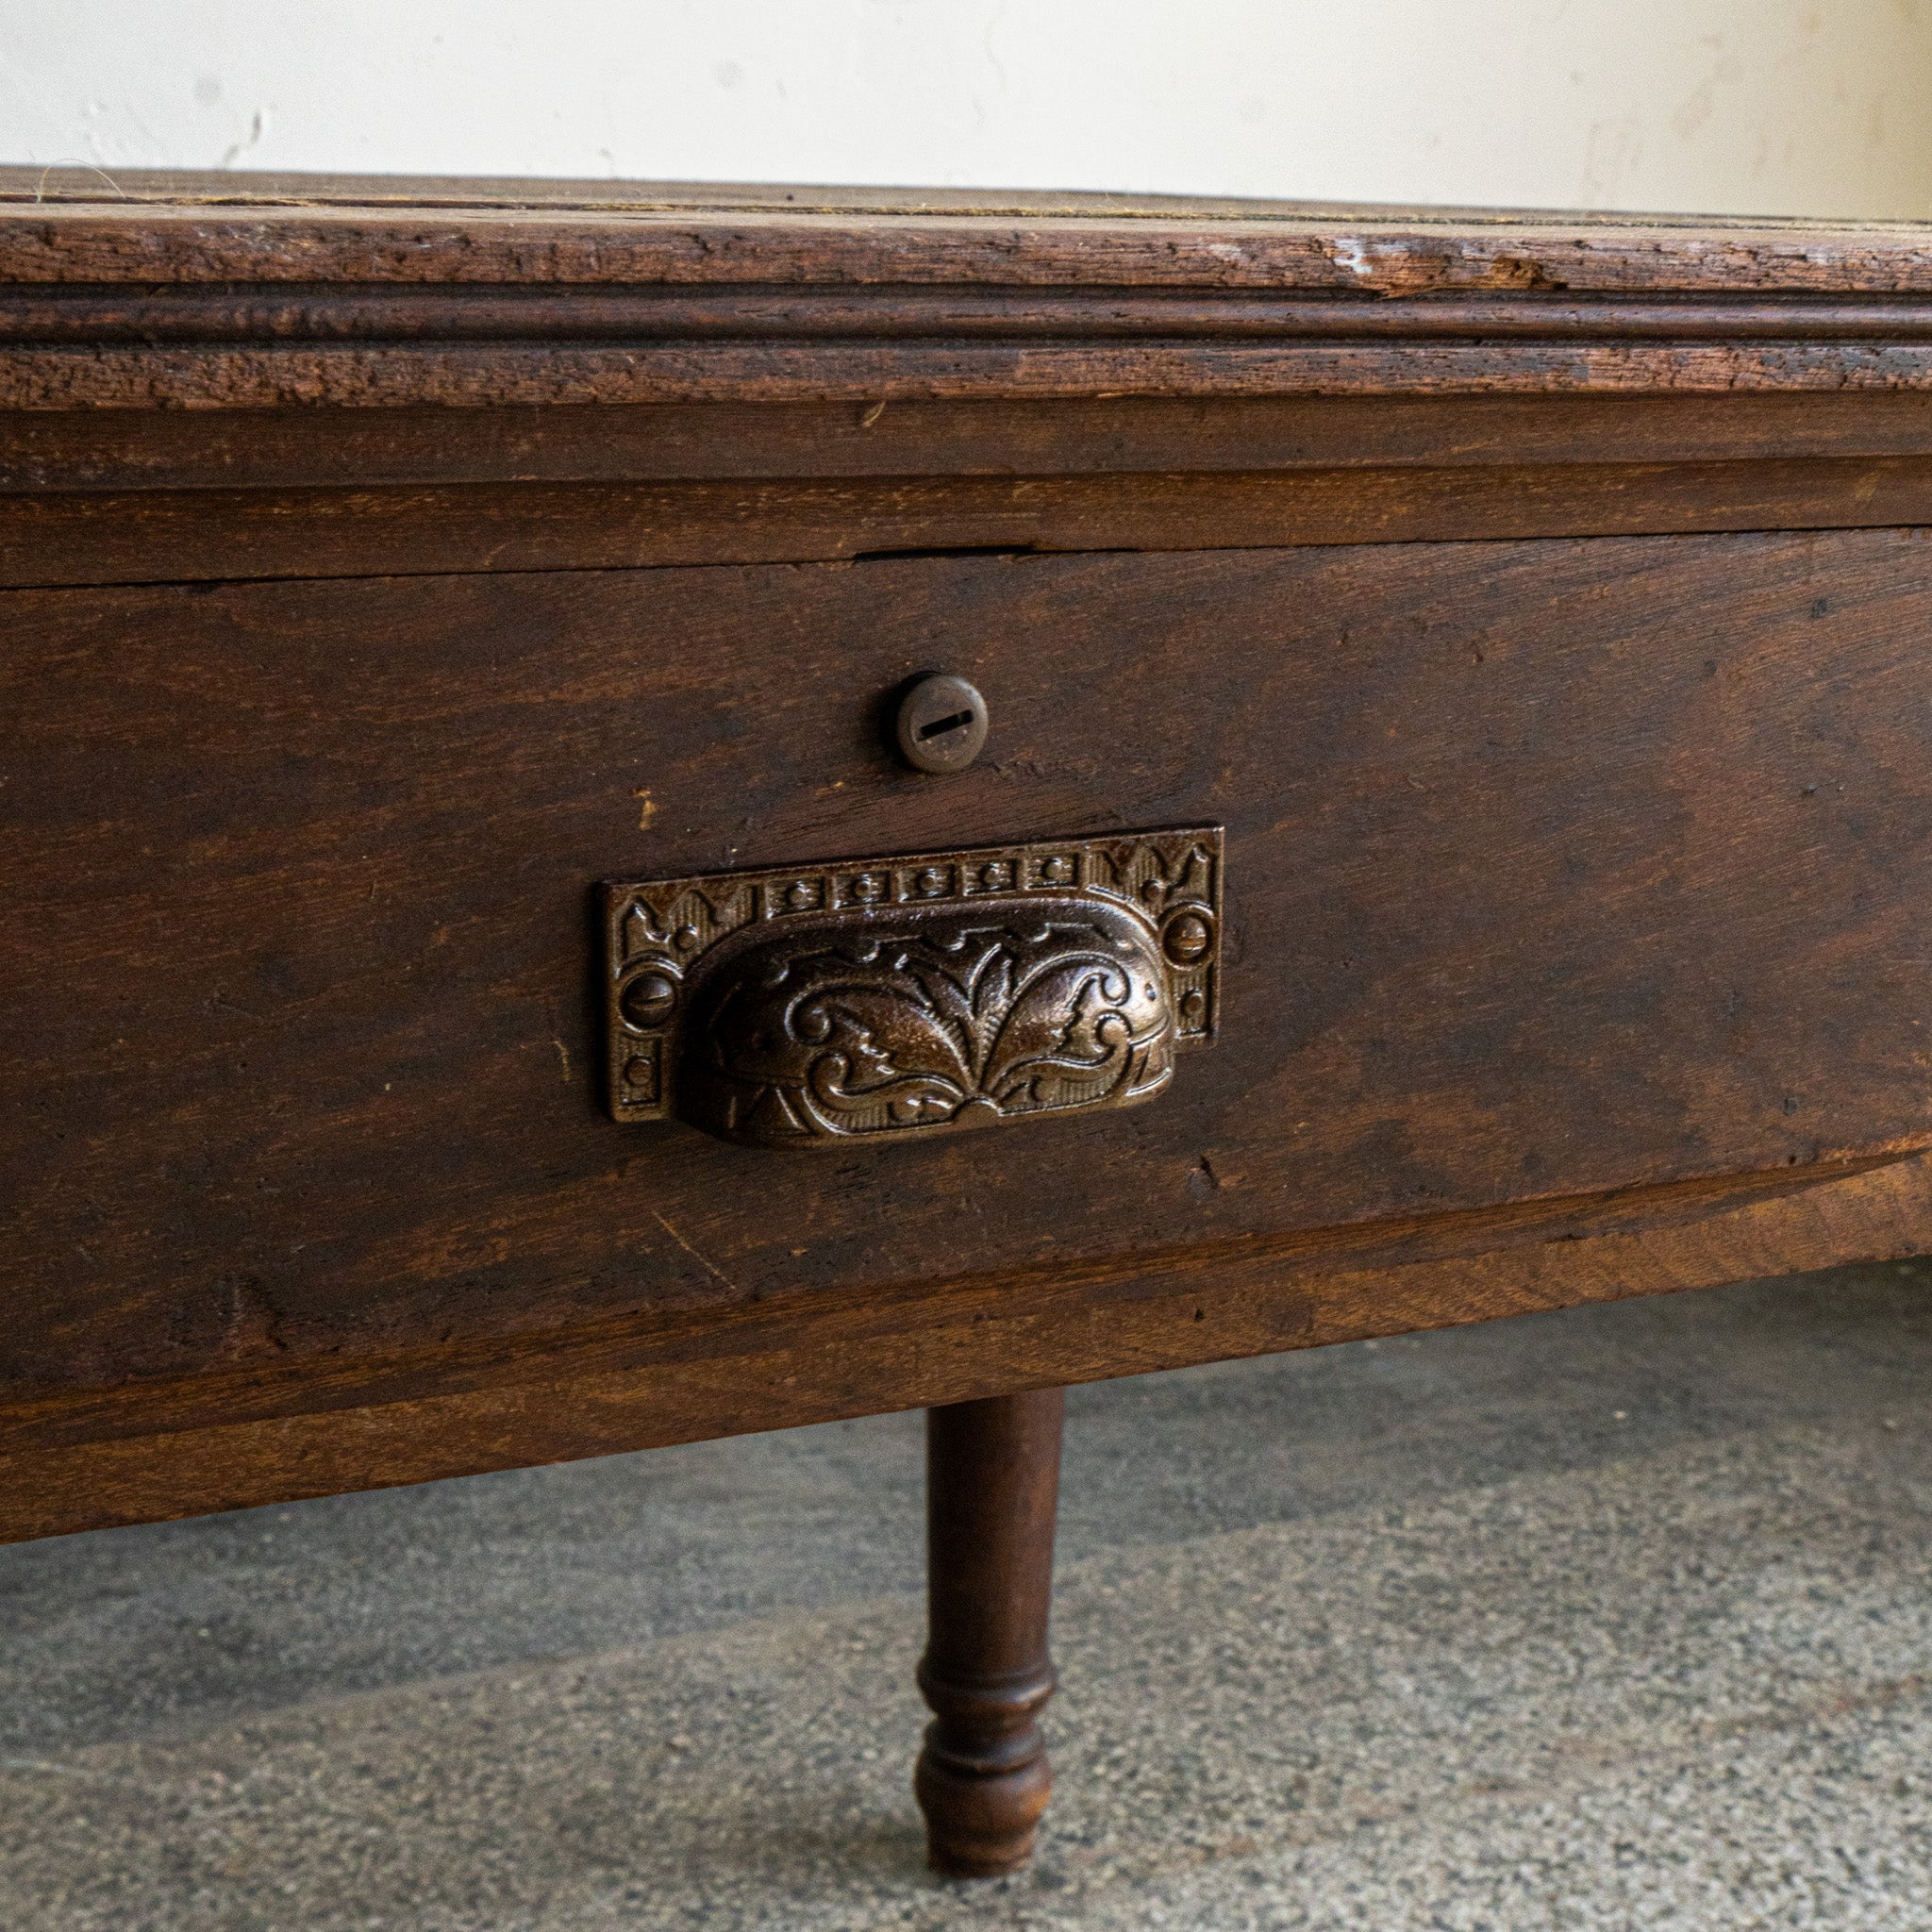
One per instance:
[(993, 1472)]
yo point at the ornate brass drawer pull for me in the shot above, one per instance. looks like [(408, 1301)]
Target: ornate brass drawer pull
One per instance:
[(889, 997)]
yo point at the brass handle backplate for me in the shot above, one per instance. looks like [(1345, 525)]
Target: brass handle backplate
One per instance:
[(890, 997)]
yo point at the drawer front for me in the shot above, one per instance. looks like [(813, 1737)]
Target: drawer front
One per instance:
[(1552, 867)]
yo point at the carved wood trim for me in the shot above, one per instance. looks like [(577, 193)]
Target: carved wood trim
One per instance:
[(650, 295)]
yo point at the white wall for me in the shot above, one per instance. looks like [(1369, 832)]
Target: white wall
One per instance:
[(1812, 107)]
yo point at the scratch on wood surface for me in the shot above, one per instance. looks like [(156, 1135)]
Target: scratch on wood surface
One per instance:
[(646, 810), (704, 1261), (562, 1054)]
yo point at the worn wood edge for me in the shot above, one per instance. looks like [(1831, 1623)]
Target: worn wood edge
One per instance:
[(176, 449), (264, 1387), (636, 317), (83, 182), (109, 376), (114, 240), (550, 1407), (56, 539)]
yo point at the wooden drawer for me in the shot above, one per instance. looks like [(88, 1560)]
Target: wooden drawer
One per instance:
[(1561, 876), (1534, 603)]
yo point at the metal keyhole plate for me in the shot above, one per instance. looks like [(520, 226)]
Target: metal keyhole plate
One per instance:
[(941, 725)]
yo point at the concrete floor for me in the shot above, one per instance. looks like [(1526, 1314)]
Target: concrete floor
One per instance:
[(1619, 1618)]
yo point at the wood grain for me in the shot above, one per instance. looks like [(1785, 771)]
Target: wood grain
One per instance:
[(98, 536), (993, 1472), (248, 188), (541, 372), (126, 450), (1222, 1311), (254, 1385), (1536, 599), (1106, 243), (125, 304), (1555, 869)]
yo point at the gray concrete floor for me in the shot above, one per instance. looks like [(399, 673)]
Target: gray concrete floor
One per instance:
[(1620, 1617)]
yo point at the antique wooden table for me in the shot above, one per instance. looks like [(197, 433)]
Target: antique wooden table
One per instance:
[(1433, 814)]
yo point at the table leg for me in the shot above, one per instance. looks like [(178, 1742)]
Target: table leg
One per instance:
[(993, 1481)]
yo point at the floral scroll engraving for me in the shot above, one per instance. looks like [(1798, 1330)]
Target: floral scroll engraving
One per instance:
[(964, 1025), (911, 997)]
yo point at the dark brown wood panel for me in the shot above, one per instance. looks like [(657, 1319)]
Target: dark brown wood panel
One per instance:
[(88, 537), (252, 1386), (124, 450), (1555, 869), (555, 1407)]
